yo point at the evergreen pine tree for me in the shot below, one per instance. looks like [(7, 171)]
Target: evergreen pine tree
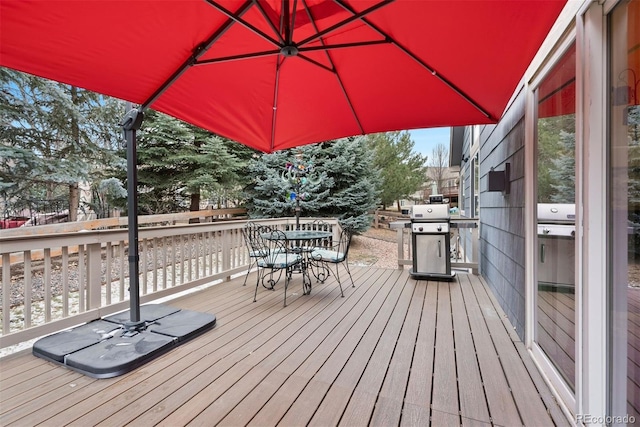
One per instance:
[(403, 171), (53, 137), (563, 172), (177, 162), (345, 184)]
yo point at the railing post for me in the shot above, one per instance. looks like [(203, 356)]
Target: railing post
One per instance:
[(94, 281), (6, 292), (474, 248), (400, 239), (400, 226)]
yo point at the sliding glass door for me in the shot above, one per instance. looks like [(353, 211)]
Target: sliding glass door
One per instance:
[(555, 302)]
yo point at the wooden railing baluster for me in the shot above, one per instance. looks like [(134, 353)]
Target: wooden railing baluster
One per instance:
[(47, 285), (6, 292), (28, 283)]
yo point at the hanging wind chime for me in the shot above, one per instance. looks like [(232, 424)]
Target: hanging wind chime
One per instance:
[(299, 175)]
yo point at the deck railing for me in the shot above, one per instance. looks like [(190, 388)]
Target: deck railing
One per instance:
[(54, 281), (464, 243)]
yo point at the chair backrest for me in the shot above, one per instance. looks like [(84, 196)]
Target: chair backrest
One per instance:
[(277, 253), (344, 241), (320, 225), (251, 234)]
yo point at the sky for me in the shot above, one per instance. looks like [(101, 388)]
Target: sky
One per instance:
[(426, 139)]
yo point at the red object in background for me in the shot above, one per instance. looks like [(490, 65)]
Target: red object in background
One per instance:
[(11, 223), (272, 77)]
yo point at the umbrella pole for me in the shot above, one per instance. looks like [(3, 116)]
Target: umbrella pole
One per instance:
[(131, 123)]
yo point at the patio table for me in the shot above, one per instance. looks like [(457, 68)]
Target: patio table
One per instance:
[(303, 244)]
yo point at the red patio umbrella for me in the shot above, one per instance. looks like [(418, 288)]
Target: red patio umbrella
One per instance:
[(274, 74), (281, 73)]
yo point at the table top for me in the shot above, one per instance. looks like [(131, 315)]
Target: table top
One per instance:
[(303, 234)]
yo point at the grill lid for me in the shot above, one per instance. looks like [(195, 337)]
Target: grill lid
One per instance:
[(557, 213), (430, 212)]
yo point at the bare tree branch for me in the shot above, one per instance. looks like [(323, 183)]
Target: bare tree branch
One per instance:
[(437, 166)]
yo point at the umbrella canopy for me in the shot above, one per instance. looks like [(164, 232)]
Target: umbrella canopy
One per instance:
[(278, 74)]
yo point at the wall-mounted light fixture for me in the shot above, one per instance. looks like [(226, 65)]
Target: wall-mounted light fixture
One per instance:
[(464, 159), (500, 180)]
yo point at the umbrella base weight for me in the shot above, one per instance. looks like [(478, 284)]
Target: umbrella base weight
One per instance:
[(106, 348)]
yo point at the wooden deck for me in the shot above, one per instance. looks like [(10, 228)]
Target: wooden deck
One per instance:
[(393, 351)]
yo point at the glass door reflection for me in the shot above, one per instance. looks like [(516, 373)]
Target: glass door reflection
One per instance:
[(556, 130)]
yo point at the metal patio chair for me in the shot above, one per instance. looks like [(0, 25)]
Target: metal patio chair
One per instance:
[(253, 245), (335, 255), (318, 268), (274, 258)]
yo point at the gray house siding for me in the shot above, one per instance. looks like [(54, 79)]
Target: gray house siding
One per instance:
[(502, 243)]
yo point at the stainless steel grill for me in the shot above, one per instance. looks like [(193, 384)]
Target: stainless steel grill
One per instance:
[(556, 240), (431, 242)]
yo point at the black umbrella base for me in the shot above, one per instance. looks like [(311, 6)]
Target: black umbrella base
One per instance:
[(104, 348)]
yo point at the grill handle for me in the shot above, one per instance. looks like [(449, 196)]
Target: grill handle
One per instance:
[(542, 252), (439, 249)]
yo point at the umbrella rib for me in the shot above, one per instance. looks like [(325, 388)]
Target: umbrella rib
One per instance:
[(285, 19), (343, 45), (316, 63), (422, 63), (198, 51), (344, 90), (238, 57), (293, 20), (341, 24), (266, 18), (242, 22)]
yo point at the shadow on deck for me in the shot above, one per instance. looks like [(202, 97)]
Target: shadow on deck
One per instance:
[(393, 351)]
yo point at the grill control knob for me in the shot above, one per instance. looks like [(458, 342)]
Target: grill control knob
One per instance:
[(573, 233), (439, 228), (545, 231), (420, 228)]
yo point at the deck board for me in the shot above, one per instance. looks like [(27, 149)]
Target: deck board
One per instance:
[(319, 370), (473, 403), (445, 391), (388, 410), (335, 401), (319, 382), (533, 411), (502, 408), (362, 404), (275, 369), (417, 400), (393, 351)]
